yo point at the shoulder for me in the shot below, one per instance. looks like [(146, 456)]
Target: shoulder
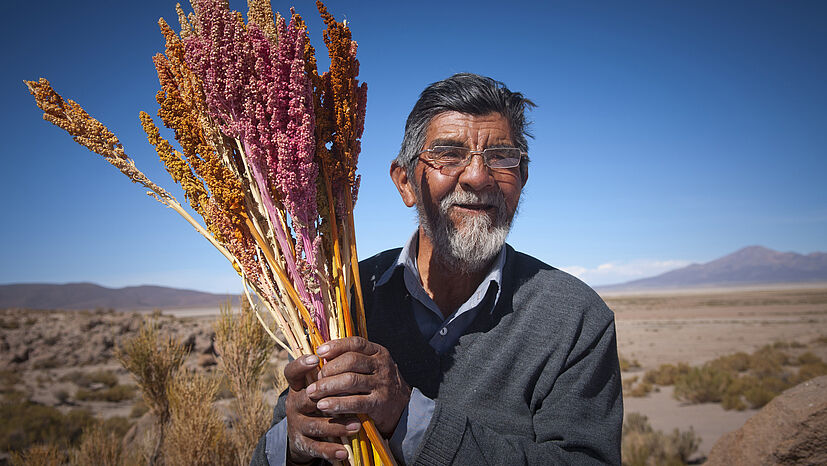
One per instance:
[(372, 268), (543, 288)]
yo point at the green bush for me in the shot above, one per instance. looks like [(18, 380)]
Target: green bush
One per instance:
[(702, 384)]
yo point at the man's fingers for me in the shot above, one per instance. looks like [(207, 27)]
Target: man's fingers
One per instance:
[(325, 427), (297, 370), (313, 448), (348, 383), (334, 348), (354, 404), (348, 362)]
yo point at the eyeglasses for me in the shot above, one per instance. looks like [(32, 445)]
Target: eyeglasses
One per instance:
[(451, 160)]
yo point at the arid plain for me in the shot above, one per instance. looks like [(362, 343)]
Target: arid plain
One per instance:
[(54, 358), (697, 326)]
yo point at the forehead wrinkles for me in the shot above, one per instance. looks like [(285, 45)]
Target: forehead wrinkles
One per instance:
[(472, 131)]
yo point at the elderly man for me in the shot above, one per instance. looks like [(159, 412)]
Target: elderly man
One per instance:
[(478, 354)]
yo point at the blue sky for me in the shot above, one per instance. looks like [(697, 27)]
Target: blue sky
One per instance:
[(665, 133)]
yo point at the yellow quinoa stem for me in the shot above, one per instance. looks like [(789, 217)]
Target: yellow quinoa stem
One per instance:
[(337, 257), (376, 440), (315, 337), (354, 265)]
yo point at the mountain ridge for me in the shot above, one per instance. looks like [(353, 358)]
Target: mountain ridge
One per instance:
[(85, 295), (751, 265)]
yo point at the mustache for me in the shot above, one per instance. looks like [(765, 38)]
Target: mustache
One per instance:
[(465, 197)]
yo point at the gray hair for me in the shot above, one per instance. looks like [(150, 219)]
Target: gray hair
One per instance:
[(465, 93)]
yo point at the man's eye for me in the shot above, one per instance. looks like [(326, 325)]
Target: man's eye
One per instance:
[(450, 155), (495, 155)]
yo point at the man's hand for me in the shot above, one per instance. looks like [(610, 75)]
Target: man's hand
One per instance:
[(308, 430), (360, 377)]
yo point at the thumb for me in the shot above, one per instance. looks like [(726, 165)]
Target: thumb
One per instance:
[(296, 372)]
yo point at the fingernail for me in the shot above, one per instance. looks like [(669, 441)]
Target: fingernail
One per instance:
[(311, 388), (322, 349), (353, 426), (323, 404), (311, 360), (341, 454)]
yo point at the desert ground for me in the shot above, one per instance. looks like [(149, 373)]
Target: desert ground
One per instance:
[(700, 325), (44, 351)]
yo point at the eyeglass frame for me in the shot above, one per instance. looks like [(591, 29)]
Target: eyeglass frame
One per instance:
[(437, 165)]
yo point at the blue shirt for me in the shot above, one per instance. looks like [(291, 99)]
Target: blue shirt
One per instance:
[(442, 334)]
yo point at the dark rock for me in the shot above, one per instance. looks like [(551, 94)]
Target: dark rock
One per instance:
[(21, 355), (789, 430), (189, 343), (206, 360)]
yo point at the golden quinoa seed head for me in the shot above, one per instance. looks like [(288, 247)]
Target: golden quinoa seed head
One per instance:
[(90, 133), (260, 12), (182, 110)]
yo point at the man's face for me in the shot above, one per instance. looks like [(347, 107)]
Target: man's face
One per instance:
[(467, 216)]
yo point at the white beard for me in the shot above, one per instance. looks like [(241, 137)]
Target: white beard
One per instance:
[(471, 245)]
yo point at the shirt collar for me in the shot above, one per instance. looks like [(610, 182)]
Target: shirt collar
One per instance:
[(407, 261)]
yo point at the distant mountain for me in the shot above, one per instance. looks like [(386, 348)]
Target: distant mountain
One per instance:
[(750, 265), (91, 296)]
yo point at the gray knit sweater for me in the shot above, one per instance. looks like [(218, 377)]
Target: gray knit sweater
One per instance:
[(535, 381)]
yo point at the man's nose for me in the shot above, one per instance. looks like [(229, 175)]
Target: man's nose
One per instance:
[(476, 176)]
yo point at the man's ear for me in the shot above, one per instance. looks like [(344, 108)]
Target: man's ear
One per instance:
[(400, 178), (524, 174)]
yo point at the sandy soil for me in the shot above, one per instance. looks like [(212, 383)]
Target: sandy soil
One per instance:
[(652, 329), (697, 326)]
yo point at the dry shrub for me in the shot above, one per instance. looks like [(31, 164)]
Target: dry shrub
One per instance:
[(640, 390), (138, 409), (702, 384), (811, 370), (626, 364), (153, 360), (196, 434), (25, 424), (98, 446), (808, 358), (88, 379), (628, 382), (738, 362), (39, 455), (111, 394), (666, 374), (765, 389), (767, 361), (644, 446), (244, 349)]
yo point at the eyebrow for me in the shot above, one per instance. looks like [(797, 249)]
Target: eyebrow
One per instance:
[(447, 142), (457, 143)]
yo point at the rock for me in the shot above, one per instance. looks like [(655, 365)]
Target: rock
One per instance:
[(206, 360), (206, 341), (189, 343), (789, 430), (21, 355)]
